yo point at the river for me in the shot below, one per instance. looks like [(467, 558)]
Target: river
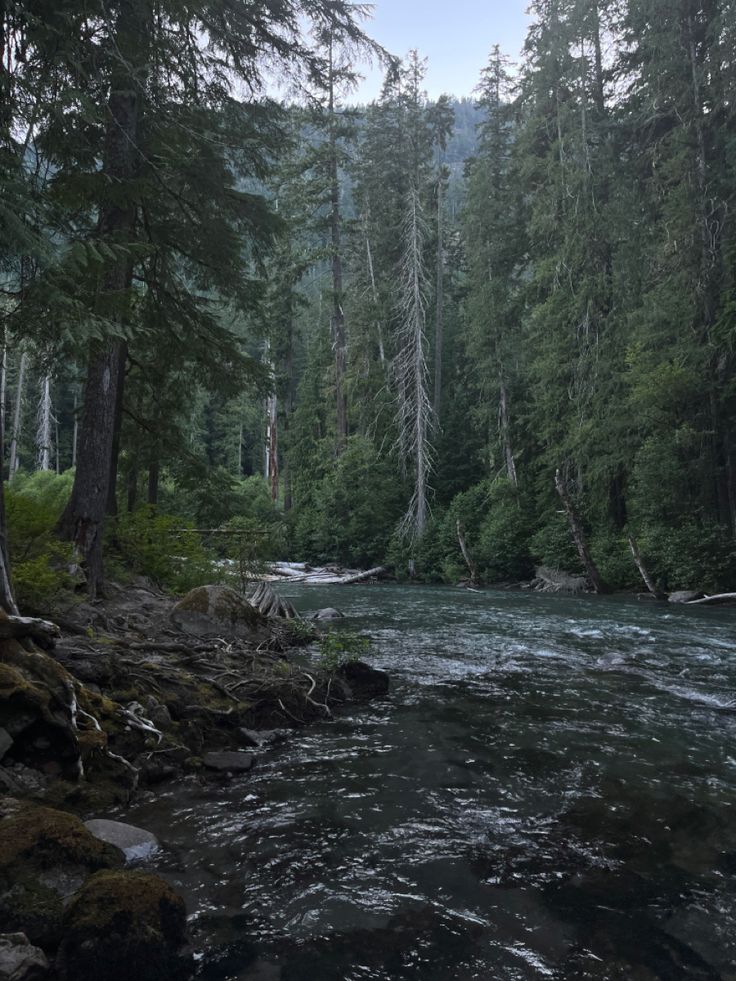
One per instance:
[(548, 792)]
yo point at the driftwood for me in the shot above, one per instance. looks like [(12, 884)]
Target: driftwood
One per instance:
[(578, 536), (555, 581), (643, 571), (267, 602), (43, 632), (714, 600), (472, 567), (362, 576)]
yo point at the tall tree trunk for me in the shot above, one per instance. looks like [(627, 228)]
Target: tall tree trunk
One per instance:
[(84, 519), (374, 294), (273, 447), (505, 427), (7, 600), (43, 436), (339, 332), (112, 501), (578, 536), (154, 474), (3, 392), (439, 327), (17, 414), (75, 431)]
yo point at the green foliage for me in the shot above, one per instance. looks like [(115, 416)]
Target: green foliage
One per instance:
[(165, 548), (352, 511), (338, 647), (39, 561)]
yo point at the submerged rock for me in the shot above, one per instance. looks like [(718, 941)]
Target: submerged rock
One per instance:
[(216, 611), (125, 926), (20, 960), (134, 843), (227, 762), (362, 681), (263, 737), (329, 614)]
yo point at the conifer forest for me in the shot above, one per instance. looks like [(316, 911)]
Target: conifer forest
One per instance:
[(356, 329), (367, 492)]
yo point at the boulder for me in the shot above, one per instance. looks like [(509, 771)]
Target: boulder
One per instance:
[(229, 762), (328, 614), (134, 843), (37, 706), (6, 741), (124, 926), (217, 611), (362, 682), (263, 737), (685, 596), (45, 856), (20, 960)]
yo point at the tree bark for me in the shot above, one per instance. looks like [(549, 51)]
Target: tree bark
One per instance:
[(472, 567), (439, 326), (578, 536), (505, 426), (112, 500), (84, 519), (7, 600), (154, 474), (17, 414), (339, 334), (643, 571)]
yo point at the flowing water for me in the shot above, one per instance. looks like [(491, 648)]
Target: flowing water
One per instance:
[(548, 792)]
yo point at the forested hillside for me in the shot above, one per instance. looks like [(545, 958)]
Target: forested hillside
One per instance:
[(424, 334)]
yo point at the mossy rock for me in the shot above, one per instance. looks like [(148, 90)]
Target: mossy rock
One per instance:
[(211, 611), (36, 697), (45, 855), (125, 926)]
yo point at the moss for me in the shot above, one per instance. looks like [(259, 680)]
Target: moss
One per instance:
[(221, 603), (42, 838), (44, 855), (124, 926)]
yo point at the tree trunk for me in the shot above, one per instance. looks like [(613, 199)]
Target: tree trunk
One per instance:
[(154, 474), (439, 327), (7, 600), (84, 519), (505, 427), (112, 500), (17, 414), (273, 448), (339, 335), (472, 567), (43, 437), (3, 391), (578, 536), (374, 294), (643, 571)]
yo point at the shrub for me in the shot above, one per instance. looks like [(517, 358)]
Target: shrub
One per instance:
[(163, 547), (40, 563), (340, 647)]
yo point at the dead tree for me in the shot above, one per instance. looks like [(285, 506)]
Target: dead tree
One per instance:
[(578, 536)]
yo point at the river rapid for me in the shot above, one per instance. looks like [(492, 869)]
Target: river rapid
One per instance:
[(547, 792)]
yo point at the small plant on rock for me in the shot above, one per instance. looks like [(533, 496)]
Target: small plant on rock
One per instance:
[(341, 647)]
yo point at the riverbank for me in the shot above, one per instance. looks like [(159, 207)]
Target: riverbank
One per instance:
[(136, 694)]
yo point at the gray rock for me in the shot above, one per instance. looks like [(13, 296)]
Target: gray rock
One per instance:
[(263, 737), (685, 596), (362, 682), (229, 762), (6, 741), (135, 843), (20, 960), (217, 611), (329, 614)]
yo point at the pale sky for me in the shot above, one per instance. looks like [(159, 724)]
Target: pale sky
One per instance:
[(456, 36)]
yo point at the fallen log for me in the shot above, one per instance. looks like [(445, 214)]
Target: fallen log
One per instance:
[(713, 600), (267, 602), (362, 576), (43, 632)]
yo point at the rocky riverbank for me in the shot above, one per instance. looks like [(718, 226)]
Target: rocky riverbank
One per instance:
[(136, 692)]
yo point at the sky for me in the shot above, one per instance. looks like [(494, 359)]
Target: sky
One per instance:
[(455, 35)]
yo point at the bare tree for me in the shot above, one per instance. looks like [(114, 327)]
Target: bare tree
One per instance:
[(412, 372), (43, 430)]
